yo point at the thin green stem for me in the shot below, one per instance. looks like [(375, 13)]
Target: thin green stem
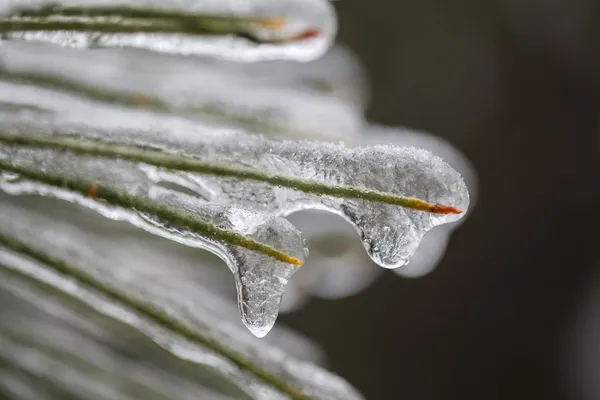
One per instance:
[(125, 25), (184, 17), (163, 213), (189, 164), (150, 312)]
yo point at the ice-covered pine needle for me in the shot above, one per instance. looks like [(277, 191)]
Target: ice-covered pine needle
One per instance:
[(131, 20), (189, 164), (163, 213)]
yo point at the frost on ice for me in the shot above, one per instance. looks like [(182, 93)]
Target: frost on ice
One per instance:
[(248, 30)]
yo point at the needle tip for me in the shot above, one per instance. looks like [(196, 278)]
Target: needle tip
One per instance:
[(294, 261), (439, 209), (309, 34)]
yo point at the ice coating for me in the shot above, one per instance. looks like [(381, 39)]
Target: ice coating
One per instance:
[(433, 245), (319, 98), (299, 17), (165, 277)]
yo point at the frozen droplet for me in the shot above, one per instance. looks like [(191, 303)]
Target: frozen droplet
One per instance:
[(287, 37), (433, 245), (260, 283)]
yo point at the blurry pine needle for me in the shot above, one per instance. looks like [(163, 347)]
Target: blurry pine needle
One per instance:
[(153, 314)]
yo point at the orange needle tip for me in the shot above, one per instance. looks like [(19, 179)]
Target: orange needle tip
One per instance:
[(438, 209), (309, 34), (294, 261)]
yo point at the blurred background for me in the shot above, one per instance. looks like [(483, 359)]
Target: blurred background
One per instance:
[(512, 310)]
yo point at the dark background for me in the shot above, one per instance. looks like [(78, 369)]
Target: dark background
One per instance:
[(514, 85)]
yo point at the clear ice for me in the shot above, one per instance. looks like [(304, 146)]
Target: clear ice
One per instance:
[(338, 267), (433, 245), (299, 16)]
